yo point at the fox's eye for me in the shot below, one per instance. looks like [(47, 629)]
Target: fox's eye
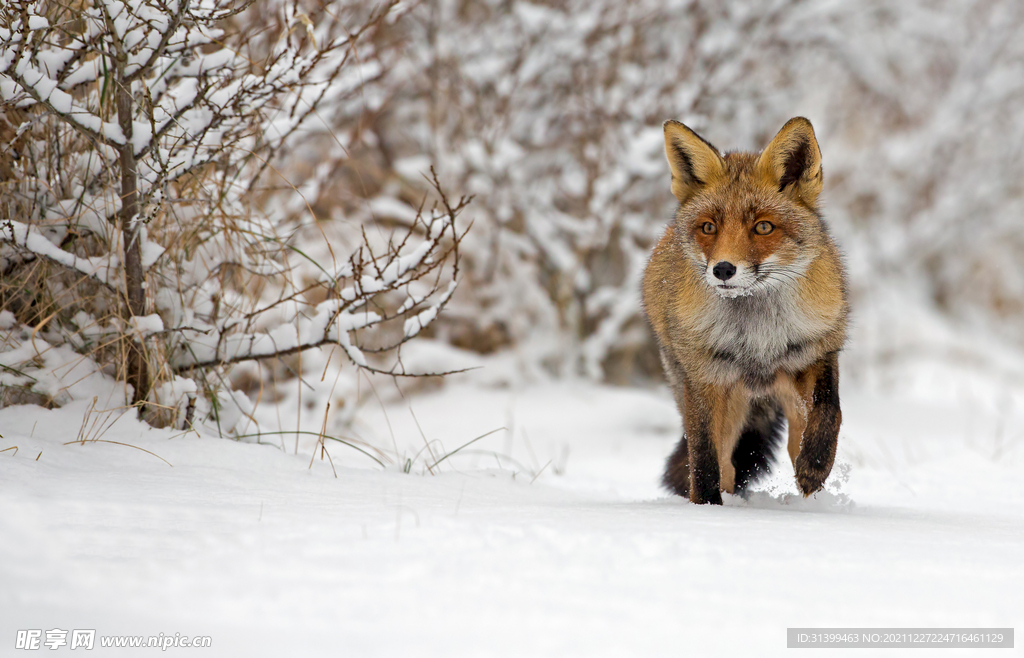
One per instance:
[(708, 228), (763, 228)]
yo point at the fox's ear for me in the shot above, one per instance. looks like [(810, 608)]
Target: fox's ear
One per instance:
[(693, 160), (792, 162)]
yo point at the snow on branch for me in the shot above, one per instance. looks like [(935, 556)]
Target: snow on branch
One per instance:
[(426, 253), (100, 270)]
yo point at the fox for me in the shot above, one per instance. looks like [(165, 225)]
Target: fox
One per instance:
[(746, 294)]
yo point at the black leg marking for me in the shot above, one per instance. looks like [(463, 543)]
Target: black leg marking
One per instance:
[(818, 450), (692, 470), (704, 474)]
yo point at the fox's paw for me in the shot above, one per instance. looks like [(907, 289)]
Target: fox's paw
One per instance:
[(711, 498), (704, 490), (809, 476)]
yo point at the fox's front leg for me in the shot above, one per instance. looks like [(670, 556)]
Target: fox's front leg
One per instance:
[(698, 421), (818, 447)]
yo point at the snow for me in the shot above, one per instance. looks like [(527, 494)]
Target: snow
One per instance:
[(55, 372), (37, 23), (387, 207), (146, 324), (24, 236), (86, 71), (151, 253), (548, 538), (416, 323)]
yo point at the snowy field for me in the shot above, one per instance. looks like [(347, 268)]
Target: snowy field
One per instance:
[(548, 537)]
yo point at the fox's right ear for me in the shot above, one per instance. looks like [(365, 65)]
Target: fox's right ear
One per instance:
[(693, 160)]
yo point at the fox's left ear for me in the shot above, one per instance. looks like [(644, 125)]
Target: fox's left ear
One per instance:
[(792, 162)]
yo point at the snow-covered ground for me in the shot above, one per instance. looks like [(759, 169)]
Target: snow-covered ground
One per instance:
[(548, 537)]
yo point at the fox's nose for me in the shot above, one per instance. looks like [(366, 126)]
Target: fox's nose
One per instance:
[(724, 270)]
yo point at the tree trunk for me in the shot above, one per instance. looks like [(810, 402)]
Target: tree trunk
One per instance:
[(135, 302)]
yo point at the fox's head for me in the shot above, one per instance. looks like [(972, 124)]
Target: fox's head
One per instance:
[(748, 221)]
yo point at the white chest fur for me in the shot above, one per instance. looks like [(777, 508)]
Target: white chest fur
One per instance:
[(760, 333)]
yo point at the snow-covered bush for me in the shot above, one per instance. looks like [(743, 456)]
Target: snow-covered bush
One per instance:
[(136, 140)]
